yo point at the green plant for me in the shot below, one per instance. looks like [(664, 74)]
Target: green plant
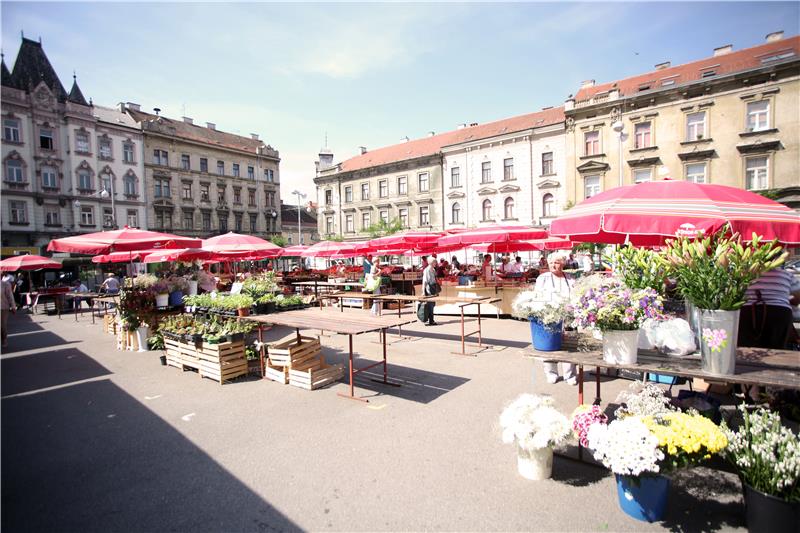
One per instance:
[(278, 240), (639, 268), (383, 227), (714, 272), (260, 285), (134, 306), (156, 342), (251, 353)]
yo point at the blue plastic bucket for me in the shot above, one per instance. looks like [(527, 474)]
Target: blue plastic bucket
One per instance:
[(545, 339), (643, 497), (176, 298)]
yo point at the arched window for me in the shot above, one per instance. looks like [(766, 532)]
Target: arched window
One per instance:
[(455, 211), (508, 208), (129, 183), (487, 210), (548, 204)]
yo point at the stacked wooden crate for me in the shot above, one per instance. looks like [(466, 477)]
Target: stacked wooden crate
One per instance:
[(220, 362), (299, 362)]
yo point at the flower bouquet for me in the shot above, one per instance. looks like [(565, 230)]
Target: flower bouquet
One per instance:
[(536, 426), (583, 417), (546, 314), (642, 399)]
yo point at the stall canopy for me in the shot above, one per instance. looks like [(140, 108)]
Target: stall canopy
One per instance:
[(406, 240), (551, 243), (294, 251), (648, 213), (125, 239), (236, 243), (27, 262), (336, 248), (491, 234), (124, 257), (181, 254)]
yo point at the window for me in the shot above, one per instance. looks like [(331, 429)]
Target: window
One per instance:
[(104, 148), (402, 185), (162, 189), (272, 224), (696, 172), (508, 169), (87, 216), (46, 139), (129, 184), (253, 223), (269, 175), (18, 212), (328, 197), (236, 170), (695, 126), (237, 195), (487, 210), (223, 223), (758, 115), (349, 225), (508, 208), (163, 219), (52, 216), (640, 175), (49, 180), (455, 213), (186, 192), (251, 197), (756, 172), (547, 164), (221, 168), (84, 181), (237, 222), (206, 221), (205, 193), (348, 194), (591, 186), (384, 214), (160, 157), (127, 152), (108, 217), (14, 172), (329, 224), (455, 177), (641, 135), (548, 205), (11, 130), (486, 172), (365, 220), (132, 218), (221, 193), (82, 142), (383, 189), (186, 163), (203, 164), (424, 216), (251, 173), (591, 143), (365, 191), (105, 182), (270, 198), (424, 182), (403, 215)]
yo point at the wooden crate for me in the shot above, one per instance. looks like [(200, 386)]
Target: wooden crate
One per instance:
[(220, 362), (288, 352), (127, 340), (314, 374), (276, 373), (110, 323)]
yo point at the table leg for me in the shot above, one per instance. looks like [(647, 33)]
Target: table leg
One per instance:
[(597, 399), (399, 315), (261, 349), (351, 395), (480, 341), (299, 338), (463, 347), (385, 367), (580, 402)]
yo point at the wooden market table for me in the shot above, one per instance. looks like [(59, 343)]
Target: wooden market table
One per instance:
[(325, 320), (34, 298), (462, 303), (326, 285), (90, 296)]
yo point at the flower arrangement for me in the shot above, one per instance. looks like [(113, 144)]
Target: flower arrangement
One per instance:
[(605, 303), (260, 285), (177, 283), (160, 287), (583, 417), (144, 281), (533, 423), (642, 399), (640, 268), (134, 306), (626, 446), (550, 310), (685, 438), (766, 454)]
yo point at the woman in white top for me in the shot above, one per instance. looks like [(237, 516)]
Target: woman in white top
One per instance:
[(376, 273), (556, 283)]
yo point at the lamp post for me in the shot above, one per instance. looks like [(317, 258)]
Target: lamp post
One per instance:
[(103, 194), (299, 233)]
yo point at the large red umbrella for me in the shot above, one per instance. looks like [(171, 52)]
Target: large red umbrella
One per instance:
[(551, 243), (294, 251), (406, 240), (492, 234), (27, 262), (648, 213), (125, 239), (124, 257), (180, 254), (335, 248), (236, 243)]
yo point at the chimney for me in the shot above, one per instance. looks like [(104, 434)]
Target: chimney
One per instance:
[(134, 107), (461, 126), (474, 124), (774, 36), (188, 120), (121, 107), (585, 84), (662, 66), (211, 126), (254, 136), (722, 50), (546, 108), (363, 149), (405, 139), (431, 133)]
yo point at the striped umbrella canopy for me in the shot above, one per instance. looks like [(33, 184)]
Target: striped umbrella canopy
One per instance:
[(647, 214), (335, 248), (180, 254), (125, 239), (406, 240), (27, 262), (551, 243), (294, 251), (492, 234), (236, 243), (124, 257)]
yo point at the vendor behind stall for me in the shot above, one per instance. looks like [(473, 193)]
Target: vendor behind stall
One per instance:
[(487, 272)]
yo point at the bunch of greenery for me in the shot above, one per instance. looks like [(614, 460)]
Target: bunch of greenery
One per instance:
[(260, 285), (714, 272), (212, 329), (134, 306), (639, 268), (286, 301)]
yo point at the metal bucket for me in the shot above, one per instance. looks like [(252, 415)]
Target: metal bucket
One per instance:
[(719, 332)]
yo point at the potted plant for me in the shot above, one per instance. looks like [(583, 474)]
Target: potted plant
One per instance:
[(606, 304), (713, 274), (536, 427), (546, 314), (191, 283), (583, 417), (766, 455), (161, 291), (156, 342), (177, 286)]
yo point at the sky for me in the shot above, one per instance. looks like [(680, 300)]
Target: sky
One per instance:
[(367, 74)]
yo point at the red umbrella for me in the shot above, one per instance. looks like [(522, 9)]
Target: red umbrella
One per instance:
[(492, 234), (648, 213), (123, 257), (294, 251), (235, 243), (180, 254), (406, 240), (27, 262), (551, 243), (331, 248), (125, 239)]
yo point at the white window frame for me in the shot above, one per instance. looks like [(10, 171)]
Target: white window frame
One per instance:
[(383, 189), (18, 211), (106, 179), (15, 171), (329, 227), (84, 184), (87, 216), (547, 170), (11, 130), (424, 181), (424, 216), (486, 210), (348, 194), (763, 178), (132, 218), (108, 217), (105, 148), (49, 178), (753, 118), (638, 175), (643, 138), (455, 177), (365, 191), (691, 174), (594, 143), (591, 188), (384, 214), (52, 215), (548, 205), (508, 208), (128, 152), (366, 220), (402, 185), (402, 214), (129, 185), (455, 213), (486, 172), (696, 129), (82, 142), (349, 223), (508, 175)]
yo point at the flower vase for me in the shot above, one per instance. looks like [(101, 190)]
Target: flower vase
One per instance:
[(643, 497), (176, 298), (535, 464), (142, 332), (545, 337), (693, 318), (192, 287), (719, 333), (162, 300), (620, 347), (764, 512)]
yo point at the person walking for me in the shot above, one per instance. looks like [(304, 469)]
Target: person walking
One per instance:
[(7, 306), (375, 275), (556, 284), (430, 287)]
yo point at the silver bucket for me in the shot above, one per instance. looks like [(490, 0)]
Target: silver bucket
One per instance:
[(719, 332), (693, 318)]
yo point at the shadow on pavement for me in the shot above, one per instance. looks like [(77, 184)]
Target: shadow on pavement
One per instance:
[(21, 322), (35, 341), (47, 369), (90, 457), (704, 499)]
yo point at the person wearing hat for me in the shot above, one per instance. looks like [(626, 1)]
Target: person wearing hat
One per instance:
[(111, 284), (556, 284)]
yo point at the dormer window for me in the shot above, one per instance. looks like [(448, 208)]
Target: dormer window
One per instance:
[(709, 73)]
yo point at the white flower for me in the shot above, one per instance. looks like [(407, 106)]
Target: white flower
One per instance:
[(625, 446), (533, 422)]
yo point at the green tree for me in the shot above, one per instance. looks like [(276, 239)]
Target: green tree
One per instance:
[(382, 228), (278, 240)]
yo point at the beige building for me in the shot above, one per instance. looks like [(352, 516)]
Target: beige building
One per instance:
[(201, 181), (302, 224), (730, 119)]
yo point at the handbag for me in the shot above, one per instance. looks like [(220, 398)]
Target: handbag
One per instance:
[(434, 288)]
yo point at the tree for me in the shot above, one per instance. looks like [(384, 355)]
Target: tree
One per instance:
[(278, 240), (382, 228)]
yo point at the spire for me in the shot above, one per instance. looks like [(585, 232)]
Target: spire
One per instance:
[(32, 67), (75, 95), (5, 75)]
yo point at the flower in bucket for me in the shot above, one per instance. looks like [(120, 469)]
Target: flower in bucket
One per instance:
[(605, 303), (642, 399), (685, 438), (549, 309), (716, 339), (583, 417), (533, 423), (626, 446)]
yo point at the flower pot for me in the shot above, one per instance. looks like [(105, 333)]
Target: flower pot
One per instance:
[(620, 347), (535, 464), (142, 332), (545, 337), (162, 300), (643, 497), (243, 311), (163, 359), (693, 318), (718, 341), (176, 298), (192, 287), (768, 513)]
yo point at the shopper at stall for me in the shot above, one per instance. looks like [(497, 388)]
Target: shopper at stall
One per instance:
[(430, 287), (517, 267), (110, 285), (374, 281), (424, 262), (487, 272), (79, 288), (7, 306), (455, 264), (366, 265), (556, 284)]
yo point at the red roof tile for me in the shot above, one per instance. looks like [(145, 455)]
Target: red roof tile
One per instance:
[(432, 145), (729, 63)]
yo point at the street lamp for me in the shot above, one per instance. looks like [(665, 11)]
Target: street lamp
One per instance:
[(104, 194), (299, 202)]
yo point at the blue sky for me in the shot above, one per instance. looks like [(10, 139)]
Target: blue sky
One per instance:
[(367, 74)]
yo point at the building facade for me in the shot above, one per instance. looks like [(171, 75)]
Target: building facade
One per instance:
[(202, 182), (303, 224), (69, 166), (730, 119)]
